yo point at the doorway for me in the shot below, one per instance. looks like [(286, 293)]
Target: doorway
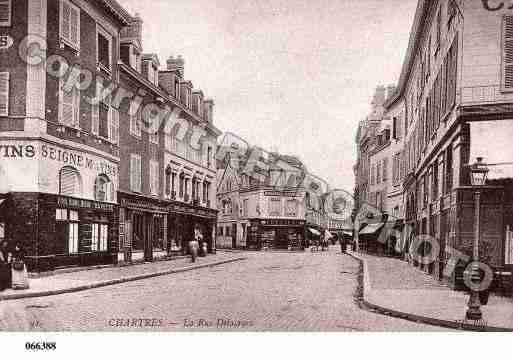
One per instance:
[(234, 236)]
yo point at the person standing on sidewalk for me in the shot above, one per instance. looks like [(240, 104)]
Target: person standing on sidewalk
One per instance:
[(5, 266), (19, 269)]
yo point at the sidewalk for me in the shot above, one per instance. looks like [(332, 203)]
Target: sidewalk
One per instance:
[(394, 287), (88, 279)]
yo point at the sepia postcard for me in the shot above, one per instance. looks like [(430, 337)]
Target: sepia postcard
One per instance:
[(248, 166)]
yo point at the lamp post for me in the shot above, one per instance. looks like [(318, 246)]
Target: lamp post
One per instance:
[(478, 173)]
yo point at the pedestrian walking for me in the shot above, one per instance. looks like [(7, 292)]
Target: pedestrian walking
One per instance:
[(5, 266), (19, 276), (343, 244), (194, 246)]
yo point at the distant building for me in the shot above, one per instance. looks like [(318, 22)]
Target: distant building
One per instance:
[(276, 208)]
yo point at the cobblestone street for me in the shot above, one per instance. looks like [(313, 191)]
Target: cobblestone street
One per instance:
[(268, 291)]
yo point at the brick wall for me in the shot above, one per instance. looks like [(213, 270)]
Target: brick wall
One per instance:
[(11, 62)]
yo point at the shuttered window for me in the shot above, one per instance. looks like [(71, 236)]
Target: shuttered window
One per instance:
[(154, 177), (508, 52), (5, 12), (69, 106), (104, 49), (114, 126), (4, 94), (70, 184), (135, 124), (70, 24), (135, 173)]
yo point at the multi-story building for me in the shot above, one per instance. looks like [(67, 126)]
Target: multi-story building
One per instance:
[(72, 151), (167, 182), (455, 88), (278, 207), (58, 176), (261, 212)]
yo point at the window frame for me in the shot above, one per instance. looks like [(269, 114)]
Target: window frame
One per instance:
[(6, 93), (133, 179), (62, 39), (101, 31), (75, 103), (7, 23)]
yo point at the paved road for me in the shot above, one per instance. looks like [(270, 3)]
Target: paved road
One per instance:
[(268, 291)]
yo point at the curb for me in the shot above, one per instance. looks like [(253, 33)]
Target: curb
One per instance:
[(115, 281), (451, 324)]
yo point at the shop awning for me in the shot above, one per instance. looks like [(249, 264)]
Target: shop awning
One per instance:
[(314, 231), (328, 234), (371, 228), (348, 233), (2, 201)]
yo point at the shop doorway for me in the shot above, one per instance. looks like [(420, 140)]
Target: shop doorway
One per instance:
[(234, 236)]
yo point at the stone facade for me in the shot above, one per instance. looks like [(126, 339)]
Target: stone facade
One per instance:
[(455, 91)]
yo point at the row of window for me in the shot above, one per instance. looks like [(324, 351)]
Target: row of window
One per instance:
[(379, 172), (200, 189), (74, 237), (431, 49), (441, 99), (70, 184)]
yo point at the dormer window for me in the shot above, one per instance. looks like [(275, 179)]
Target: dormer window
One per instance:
[(104, 50)]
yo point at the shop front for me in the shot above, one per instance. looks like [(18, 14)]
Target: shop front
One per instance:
[(58, 204), (151, 228), (183, 219), (143, 228), (276, 234)]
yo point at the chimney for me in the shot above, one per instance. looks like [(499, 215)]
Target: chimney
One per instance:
[(390, 91), (176, 64), (208, 114), (133, 32), (379, 96)]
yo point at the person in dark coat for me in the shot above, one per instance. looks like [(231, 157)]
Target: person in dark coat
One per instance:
[(5, 265)]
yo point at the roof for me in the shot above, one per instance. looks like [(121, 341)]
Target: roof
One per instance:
[(117, 10), (409, 60)]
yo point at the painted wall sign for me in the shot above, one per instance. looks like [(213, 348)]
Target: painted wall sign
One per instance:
[(494, 5), (5, 42)]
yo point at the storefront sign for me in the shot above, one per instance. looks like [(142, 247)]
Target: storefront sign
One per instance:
[(5, 42), (142, 205), (495, 5), (281, 194), (75, 159), (72, 158), (282, 222), (83, 203)]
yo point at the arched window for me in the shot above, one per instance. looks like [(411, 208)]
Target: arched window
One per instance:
[(103, 189), (70, 182)]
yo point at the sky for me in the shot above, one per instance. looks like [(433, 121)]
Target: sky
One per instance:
[(293, 76)]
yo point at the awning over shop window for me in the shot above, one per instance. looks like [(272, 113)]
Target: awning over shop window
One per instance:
[(371, 228), (348, 233), (2, 201), (328, 235), (314, 231)]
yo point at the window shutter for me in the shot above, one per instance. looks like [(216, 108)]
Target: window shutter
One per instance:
[(4, 93), (112, 192), (132, 172), (70, 185), (115, 126), (138, 178), (74, 26), (67, 106), (5, 12), (508, 52), (65, 20)]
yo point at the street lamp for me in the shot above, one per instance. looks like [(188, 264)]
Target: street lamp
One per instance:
[(478, 173)]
